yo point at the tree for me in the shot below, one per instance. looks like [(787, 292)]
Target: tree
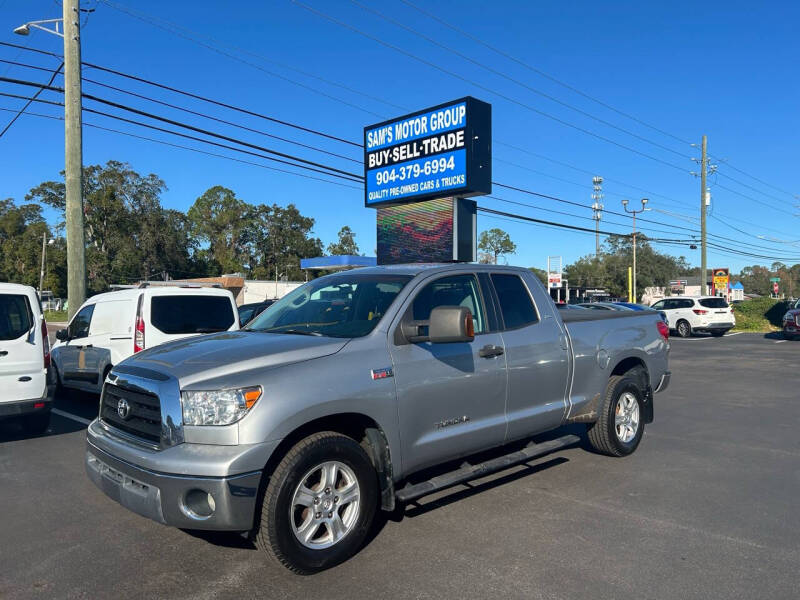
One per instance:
[(346, 244), (223, 222), (280, 237), (129, 235), (496, 242)]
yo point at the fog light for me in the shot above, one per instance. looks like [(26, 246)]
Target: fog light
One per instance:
[(198, 504)]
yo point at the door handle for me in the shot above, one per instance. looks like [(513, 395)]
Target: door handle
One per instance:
[(489, 351), (3, 352), (86, 347)]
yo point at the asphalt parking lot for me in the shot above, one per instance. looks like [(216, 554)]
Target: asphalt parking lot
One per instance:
[(706, 508)]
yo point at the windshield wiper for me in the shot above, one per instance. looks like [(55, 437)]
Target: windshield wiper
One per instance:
[(291, 331)]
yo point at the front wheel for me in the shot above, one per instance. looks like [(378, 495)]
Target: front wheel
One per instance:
[(319, 504), (619, 426)]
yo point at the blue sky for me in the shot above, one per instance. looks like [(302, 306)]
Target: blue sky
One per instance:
[(726, 69)]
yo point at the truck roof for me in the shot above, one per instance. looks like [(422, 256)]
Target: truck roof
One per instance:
[(417, 268)]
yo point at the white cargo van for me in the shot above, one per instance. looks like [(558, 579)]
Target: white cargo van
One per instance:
[(111, 327), (25, 390)]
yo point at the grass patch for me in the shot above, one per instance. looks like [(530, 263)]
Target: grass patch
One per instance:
[(759, 315), (58, 316)]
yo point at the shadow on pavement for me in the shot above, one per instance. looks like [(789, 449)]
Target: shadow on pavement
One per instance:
[(12, 430), (415, 509), (774, 335)]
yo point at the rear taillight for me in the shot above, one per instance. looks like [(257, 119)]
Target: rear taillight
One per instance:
[(138, 335), (663, 329), (45, 345), (699, 311)]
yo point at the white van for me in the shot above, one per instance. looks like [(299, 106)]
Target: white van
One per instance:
[(110, 327), (25, 389)]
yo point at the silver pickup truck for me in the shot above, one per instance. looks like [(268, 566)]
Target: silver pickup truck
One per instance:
[(352, 392)]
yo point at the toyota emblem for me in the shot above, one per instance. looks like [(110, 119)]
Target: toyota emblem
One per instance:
[(123, 409)]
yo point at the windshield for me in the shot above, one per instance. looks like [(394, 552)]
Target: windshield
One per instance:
[(346, 306)]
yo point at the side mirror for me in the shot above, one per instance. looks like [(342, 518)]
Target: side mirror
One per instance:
[(451, 324), (62, 335)]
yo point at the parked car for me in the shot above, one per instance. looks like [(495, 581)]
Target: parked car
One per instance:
[(25, 380), (603, 306), (111, 327), (565, 306), (634, 306), (689, 314), (791, 322), (248, 312), (302, 425)]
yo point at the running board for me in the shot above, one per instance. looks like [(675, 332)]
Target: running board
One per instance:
[(468, 472)]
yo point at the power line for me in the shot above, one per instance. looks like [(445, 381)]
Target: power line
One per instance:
[(539, 71), (253, 65), (196, 150), (512, 79), (192, 128), (223, 121), (31, 100), (761, 181), (483, 87), (187, 34), (762, 203)]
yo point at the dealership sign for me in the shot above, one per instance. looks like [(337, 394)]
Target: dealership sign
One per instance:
[(434, 153), (554, 280)]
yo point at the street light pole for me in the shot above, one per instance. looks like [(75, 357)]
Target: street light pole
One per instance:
[(73, 145), (73, 157), (634, 213)]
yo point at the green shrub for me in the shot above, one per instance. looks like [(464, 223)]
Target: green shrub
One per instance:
[(759, 314)]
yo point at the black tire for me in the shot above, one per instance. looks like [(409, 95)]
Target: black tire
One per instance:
[(275, 534), (603, 433), (37, 422), (683, 328)]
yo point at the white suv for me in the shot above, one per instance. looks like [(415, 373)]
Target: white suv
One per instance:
[(26, 389), (688, 314), (111, 327)]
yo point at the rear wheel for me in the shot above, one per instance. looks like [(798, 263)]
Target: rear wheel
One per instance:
[(619, 427), (319, 504), (684, 329), (37, 422)]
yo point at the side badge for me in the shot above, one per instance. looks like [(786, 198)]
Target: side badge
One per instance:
[(382, 373)]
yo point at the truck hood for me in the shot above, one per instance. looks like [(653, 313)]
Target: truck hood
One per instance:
[(208, 356)]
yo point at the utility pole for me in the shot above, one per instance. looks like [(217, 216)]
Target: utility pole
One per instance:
[(703, 192), (597, 209), (634, 213), (73, 157)]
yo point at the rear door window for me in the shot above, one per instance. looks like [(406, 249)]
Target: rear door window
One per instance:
[(459, 290), (15, 316), (516, 305), (713, 303), (175, 315)]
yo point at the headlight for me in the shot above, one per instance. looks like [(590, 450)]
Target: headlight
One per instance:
[(219, 407)]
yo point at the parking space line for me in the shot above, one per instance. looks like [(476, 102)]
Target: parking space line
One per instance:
[(780, 341), (67, 415)]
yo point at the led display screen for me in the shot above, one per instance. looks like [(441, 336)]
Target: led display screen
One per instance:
[(440, 230)]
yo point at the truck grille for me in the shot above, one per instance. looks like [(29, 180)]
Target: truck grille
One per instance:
[(797, 320), (143, 418)]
